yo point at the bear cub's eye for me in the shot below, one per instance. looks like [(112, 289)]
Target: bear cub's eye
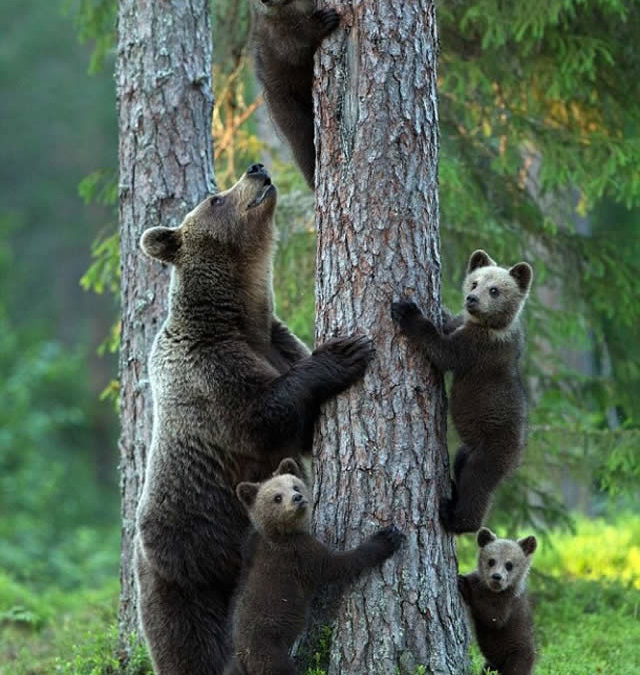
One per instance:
[(509, 566), (474, 285), (277, 499), (494, 292), (296, 488), (492, 562)]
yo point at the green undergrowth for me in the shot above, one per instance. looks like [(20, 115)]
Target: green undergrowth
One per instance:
[(584, 587), (62, 633)]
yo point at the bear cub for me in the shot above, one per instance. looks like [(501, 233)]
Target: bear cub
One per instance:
[(497, 599), (488, 403), (284, 564), (285, 36)]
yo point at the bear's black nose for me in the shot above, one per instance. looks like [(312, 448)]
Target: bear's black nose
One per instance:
[(297, 498), (472, 299), (255, 168), (496, 577)]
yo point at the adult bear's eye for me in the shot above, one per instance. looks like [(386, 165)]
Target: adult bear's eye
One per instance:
[(492, 562), (277, 499), (216, 200)]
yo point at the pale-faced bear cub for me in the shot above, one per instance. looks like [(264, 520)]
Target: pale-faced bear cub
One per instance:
[(234, 392), (498, 602), (482, 347), (284, 564), (285, 36)]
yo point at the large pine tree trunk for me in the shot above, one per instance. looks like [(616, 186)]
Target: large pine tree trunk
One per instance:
[(380, 451), (165, 105)]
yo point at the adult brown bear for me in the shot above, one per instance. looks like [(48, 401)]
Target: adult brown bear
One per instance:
[(234, 392)]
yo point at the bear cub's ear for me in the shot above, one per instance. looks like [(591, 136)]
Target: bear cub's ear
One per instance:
[(161, 243), (479, 258), (288, 465), (485, 536), (528, 545), (247, 493), (523, 274)]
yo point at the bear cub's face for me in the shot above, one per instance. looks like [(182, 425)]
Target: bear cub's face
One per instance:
[(494, 295), (279, 505), (503, 563), (237, 221)]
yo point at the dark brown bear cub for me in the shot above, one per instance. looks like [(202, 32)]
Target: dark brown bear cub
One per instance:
[(488, 403), (498, 602), (283, 566), (285, 36)]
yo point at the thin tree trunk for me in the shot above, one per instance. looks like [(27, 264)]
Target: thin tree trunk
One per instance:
[(165, 105), (380, 452)]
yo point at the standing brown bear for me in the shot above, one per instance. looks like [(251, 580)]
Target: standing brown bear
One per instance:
[(498, 602), (285, 36), (482, 347), (234, 392), (284, 564)]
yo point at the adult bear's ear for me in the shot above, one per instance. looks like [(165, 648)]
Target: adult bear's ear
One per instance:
[(288, 465), (247, 493), (528, 545), (161, 243), (523, 274), (485, 536), (479, 258)]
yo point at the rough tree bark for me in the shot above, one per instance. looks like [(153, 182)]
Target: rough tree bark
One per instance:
[(165, 106), (380, 451)]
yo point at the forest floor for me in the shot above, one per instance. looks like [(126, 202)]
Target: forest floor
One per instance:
[(585, 588)]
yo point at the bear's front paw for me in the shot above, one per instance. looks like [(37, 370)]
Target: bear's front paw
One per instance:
[(463, 587), (404, 311), (388, 539), (447, 507), (327, 20), (350, 354)]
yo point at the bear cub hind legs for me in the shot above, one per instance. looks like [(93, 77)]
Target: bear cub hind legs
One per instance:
[(471, 493)]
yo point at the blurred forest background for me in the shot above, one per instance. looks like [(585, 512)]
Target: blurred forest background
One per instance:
[(540, 122)]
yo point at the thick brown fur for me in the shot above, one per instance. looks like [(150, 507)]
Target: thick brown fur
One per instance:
[(498, 602), (284, 565), (285, 36), (488, 403), (233, 393)]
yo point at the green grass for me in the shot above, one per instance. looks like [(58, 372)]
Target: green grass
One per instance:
[(585, 589), (62, 633)]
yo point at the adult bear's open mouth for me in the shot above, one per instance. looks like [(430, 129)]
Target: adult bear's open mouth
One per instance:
[(267, 190)]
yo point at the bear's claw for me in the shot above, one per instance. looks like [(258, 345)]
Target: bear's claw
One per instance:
[(404, 310), (328, 17), (391, 537)]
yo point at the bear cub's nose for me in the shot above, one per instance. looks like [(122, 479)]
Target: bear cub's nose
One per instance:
[(472, 299), (297, 498), (496, 577)]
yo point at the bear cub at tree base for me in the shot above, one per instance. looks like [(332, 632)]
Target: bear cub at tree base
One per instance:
[(234, 392), (498, 602), (285, 36), (284, 564), (488, 403)]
